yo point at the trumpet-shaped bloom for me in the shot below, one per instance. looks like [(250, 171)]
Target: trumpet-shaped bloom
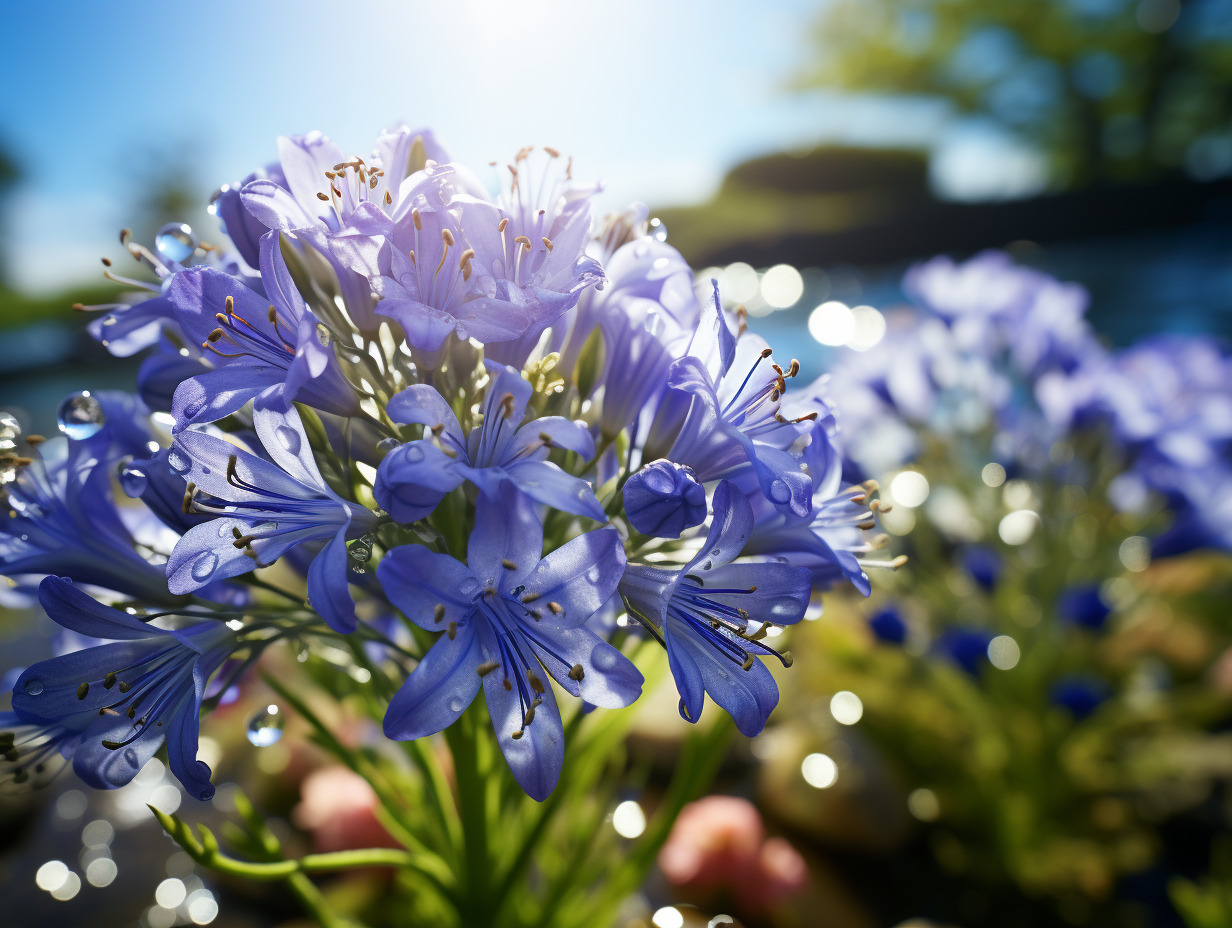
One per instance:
[(61, 518), (734, 421), (263, 508), (273, 351), (664, 499), (414, 477), (110, 707), (510, 617), (702, 612)]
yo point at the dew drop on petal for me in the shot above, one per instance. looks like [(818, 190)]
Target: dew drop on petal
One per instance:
[(265, 727), (289, 438), (34, 687), (175, 242), (80, 415), (132, 480), (456, 704), (178, 462), (323, 334), (414, 454), (657, 230), (203, 567), (386, 445)]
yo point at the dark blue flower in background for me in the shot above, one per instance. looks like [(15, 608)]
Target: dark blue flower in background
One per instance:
[(966, 647), (263, 508), (887, 625), (701, 612), (1080, 694), (983, 563), (663, 499), (510, 615), (110, 707), (1083, 606), (414, 477)]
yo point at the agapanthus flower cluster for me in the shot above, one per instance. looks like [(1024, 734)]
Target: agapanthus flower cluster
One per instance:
[(1002, 354), (393, 389)]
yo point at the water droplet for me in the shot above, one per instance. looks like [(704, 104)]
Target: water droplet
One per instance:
[(34, 687), (780, 492), (80, 415), (175, 242), (323, 334), (212, 209), (178, 461), (605, 659), (456, 704), (133, 480), (386, 445), (361, 549), (203, 567), (207, 793), (657, 230), (470, 587), (288, 438), (265, 727), (462, 331), (9, 430), (131, 758), (414, 454)]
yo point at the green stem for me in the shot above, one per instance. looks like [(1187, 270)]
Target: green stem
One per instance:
[(463, 741)]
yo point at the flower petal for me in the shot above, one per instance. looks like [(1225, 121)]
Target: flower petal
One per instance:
[(438, 690), (417, 580)]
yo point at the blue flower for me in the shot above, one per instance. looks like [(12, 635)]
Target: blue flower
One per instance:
[(510, 618), (61, 518), (663, 499), (110, 707), (268, 350), (701, 612), (414, 477), (734, 421), (1080, 694), (832, 539), (966, 647), (1083, 605), (983, 563), (263, 508), (887, 625), (343, 206)]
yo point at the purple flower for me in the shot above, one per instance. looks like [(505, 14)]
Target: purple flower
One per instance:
[(701, 612), (262, 509), (268, 350), (343, 206), (510, 616), (664, 499), (414, 477), (110, 707), (734, 420), (62, 519)]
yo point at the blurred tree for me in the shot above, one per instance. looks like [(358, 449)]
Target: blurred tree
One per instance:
[(9, 174), (166, 181), (1109, 90)]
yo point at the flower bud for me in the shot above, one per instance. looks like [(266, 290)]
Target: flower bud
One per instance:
[(663, 499)]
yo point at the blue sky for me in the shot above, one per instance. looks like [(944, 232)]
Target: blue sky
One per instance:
[(657, 97)]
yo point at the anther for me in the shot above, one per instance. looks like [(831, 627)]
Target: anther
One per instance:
[(452, 630), (323, 196), (187, 503), (109, 680), (500, 226), (487, 667), (766, 352), (508, 564), (83, 691), (547, 243), (215, 335), (124, 687), (229, 302), (439, 612), (417, 220), (748, 662), (536, 684), (35, 440), (106, 262), (388, 199), (447, 237), (576, 672), (555, 608)]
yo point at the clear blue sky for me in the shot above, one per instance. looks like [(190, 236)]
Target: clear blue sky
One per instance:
[(658, 97)]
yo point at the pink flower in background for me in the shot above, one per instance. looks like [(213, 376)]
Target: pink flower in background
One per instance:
[(719, 845), (339, 808)]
